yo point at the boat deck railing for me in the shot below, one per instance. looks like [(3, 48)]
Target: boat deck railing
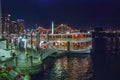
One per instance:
[(72, 40)]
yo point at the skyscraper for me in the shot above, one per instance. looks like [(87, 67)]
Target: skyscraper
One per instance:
[(0, 20), (7, 24), (20, 25), (17, 26)]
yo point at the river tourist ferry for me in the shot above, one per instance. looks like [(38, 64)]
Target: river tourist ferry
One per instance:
[(63, 38), (73, 42)]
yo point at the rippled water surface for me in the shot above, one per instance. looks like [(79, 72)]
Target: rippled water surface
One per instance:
[(70, 68), (103, 63)]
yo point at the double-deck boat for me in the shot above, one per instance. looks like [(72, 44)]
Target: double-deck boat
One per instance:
[(62, 38), (73, 42)]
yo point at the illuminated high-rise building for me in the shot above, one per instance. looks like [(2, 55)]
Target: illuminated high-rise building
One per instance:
[(0, 20), (13, 27), (7, 25), (17, 26), (20, 25)]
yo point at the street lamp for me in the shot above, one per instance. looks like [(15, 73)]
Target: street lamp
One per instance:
[(9, 15)]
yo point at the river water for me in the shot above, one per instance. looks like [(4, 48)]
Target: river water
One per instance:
[(103, 63)]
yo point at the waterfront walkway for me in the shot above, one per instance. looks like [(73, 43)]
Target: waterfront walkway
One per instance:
[(27, 63)]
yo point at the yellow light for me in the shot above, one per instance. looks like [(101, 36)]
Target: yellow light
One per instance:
[(68, 32)]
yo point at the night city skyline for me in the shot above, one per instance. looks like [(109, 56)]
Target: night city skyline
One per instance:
[(76, 13)]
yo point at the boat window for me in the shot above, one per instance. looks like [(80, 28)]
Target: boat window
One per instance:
[(64, 36), (59, 36), (69, 36)]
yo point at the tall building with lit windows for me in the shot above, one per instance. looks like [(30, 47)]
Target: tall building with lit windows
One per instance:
[(0, 20), (7, 24), (20, 25), (17, 26)]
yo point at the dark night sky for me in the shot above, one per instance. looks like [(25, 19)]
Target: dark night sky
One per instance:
[(76, 13)]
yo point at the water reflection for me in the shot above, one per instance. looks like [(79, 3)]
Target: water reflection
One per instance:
[(71, 68), (105, 59), (102, 64)]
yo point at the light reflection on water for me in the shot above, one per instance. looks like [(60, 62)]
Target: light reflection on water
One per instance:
[(71, 68), (102, 64)]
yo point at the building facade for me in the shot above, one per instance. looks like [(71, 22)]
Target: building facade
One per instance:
[(0, 20), (13, 27)]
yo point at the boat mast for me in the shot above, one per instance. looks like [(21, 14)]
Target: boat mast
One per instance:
[(52, 27)]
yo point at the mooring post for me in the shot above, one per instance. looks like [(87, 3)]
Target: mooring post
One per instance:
[(16, 61), (68, 46), (31, 60)]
